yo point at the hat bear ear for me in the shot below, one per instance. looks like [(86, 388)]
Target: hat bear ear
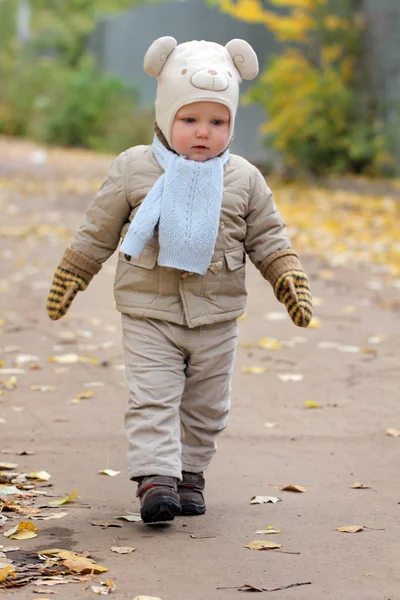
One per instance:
[(156, 56), (244, 58)]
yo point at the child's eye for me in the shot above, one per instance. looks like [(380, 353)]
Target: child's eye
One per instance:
[(217, 121), (189, 120)]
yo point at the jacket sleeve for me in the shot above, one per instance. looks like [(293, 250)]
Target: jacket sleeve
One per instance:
[(266, 241), (99, 235)]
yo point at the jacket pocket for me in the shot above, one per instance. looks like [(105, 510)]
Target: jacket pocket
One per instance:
[(233, 293), (138, 277)]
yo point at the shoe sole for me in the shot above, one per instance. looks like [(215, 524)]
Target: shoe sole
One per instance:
[(192, 510), (162, 509)]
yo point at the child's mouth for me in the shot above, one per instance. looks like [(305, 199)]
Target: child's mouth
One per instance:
[(200, 147)]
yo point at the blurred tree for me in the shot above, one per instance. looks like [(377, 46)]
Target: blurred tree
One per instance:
[(62, 27), (320, 113)]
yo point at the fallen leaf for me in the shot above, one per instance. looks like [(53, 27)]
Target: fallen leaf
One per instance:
[(261, 545), (294, 488), (9, 490), (255, 370), (69, 498), (268, 531), (50, 516), (146, 598), (360, 486), (42, 388), (122, 549), (315, 323), (6, 571), (269, 343), (7, 466), (312, 404), (84, 395), (290, 377), (105, 587), (131, 518), (264, 500), (23, 531), (105, 524), (39, 476), (393, 432), (75, 562), (68, 359), (350, 528), (109, 472)]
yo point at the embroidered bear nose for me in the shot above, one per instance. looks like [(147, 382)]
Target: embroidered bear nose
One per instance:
[(209, 79)]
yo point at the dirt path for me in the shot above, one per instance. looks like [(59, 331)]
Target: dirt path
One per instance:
[(349, 365)]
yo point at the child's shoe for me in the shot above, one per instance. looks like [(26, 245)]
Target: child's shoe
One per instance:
[(159, 500), (190, 491)]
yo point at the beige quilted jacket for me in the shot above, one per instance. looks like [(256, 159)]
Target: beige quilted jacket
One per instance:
[(250, 225)]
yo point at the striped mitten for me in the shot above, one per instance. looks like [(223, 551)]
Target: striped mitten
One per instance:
[(293, 290), (73, 275), (63, 290)]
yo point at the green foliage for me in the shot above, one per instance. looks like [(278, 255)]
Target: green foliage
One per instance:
[(56, 104), (320, 112)]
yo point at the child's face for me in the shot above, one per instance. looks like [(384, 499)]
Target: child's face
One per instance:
[(201, 130)]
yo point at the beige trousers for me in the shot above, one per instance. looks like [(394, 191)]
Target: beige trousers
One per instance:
[(179, 382)]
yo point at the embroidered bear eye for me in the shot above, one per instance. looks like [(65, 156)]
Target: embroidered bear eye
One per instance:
[(184, 71)]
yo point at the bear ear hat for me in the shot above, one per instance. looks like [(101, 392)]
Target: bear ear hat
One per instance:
[(156, 56), (244, 58)]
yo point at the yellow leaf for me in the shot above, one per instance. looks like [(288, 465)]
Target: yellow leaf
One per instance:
[(350, 528), (268, 531), (26, 526), (312, 404), (84, 395), (39, 476), (109, 472), (6, 571), (294, 488), (261, 545), (68, 359), (269, 343), (80, 564), (255, 370), (23, 535), (393, 432), (69, 498), (122, 549), (360, 486)]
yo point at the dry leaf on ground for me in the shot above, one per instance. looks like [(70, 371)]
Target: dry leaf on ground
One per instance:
[(122, 549), (105, 587), (7, 466), (109, 472), (131, 518), (146, 598), (261, 545), (268, 531), (294, 488), (68, 359), (393, 432), (50, 516), (350, 528), (75, 562), (312, 404), (264, 500), (23, 531), (270, 343), (5, 572), (290, 377), (360, 486), (39, 475), (255, 370), (69, 498)]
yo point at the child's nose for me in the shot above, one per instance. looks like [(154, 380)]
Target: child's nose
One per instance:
[(202, 132)]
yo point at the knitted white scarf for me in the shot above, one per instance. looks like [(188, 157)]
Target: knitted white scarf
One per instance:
[(185, 201)]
